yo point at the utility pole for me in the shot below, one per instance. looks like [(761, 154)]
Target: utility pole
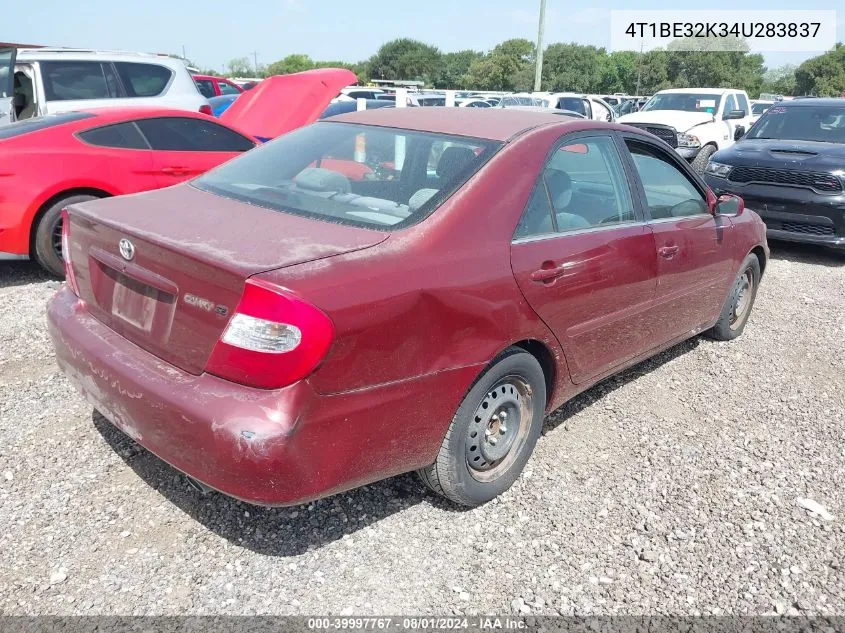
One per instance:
[(640, 68), (184, 56), (538, 70), (255, 57)]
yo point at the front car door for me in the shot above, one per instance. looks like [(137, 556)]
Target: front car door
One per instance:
[(693, 246), (7, 91), (584, 257)]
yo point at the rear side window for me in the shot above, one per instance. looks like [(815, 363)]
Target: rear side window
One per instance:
[(121, 136), (182, 134), (206, 87), (227, 89), (143, 80), (11, 130), (72, 81)]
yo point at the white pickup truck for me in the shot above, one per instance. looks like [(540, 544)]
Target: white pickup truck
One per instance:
[(695, 121)]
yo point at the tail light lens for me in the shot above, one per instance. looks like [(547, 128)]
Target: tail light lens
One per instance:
[(273, 339), (206, 109), (70, 277)]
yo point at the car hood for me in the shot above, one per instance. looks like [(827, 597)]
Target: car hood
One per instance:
[(679, 119), (803, 155), (283, 103)]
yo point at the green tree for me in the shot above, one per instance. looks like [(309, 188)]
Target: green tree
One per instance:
[(453, 69), (712, 66), (823, 76), (405, 59), (505, 68), (573, 67), (291, 64), (239, 67), (780, 80)]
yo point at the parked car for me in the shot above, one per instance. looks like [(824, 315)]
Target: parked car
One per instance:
[(789, 169), (220, 104), (697, 122), (343, 107), (570, 113), (280, 333), (472, 102), (49, 162), (357, 92), (56, 80), (210, 86), (758, 108)]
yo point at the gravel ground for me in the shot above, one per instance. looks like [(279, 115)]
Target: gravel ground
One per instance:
[(675, 488)]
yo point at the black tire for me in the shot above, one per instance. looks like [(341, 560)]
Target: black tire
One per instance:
[(739, 303), (47, 245), (513, 387), (702, 158)]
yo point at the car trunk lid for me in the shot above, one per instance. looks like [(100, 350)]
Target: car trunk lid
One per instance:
[(166, 269)]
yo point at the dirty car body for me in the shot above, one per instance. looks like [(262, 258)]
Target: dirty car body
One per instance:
[(392, 293)]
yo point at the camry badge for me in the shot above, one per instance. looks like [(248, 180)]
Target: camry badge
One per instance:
[(127, 249)]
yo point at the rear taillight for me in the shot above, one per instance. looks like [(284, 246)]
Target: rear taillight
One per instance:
[(273, 339), (206, 109), (70, 278)]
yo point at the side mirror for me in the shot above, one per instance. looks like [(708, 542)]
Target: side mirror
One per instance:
[(729, 205), (734, 114), (739, 132)]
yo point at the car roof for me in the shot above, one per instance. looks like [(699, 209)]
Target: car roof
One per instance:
[(812, 101), (487, 123), (71, 54), (707, 91), (111, 114)]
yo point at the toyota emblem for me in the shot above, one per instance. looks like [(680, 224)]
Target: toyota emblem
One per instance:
[(127, 249)]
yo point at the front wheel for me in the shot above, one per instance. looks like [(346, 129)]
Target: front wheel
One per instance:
[(738, 305), (702, 158), (47, 245), (493, 432)]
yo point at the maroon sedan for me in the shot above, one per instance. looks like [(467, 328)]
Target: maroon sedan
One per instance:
[(280, 332)]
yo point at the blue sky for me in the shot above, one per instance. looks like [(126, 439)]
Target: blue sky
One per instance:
[(214, 31)]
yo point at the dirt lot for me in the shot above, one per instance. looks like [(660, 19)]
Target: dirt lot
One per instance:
[(673, 488)]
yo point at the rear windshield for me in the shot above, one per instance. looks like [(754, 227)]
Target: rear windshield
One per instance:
[(25, 126), (362, 175), (801, 123)]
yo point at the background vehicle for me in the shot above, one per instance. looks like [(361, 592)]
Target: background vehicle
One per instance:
[(210, 86), (221, 103), (343, 107), (52, 161), (55, 80), (249, 370), (788, 168), (758, 108), (472, 102), (357, 92), (697, 122)]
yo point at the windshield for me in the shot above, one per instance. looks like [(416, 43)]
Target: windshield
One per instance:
[(686, 101), (352, 174), (824, 124), (760, 108)]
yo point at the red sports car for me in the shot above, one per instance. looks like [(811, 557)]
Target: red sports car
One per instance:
[(49, 162), (281, 332)]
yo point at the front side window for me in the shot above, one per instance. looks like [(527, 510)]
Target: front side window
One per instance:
[(352, 174), (143, 80), (227, 89), (669, 192), (74, 81), (583, 186), (742, 101), (183, 134), (731, 104)]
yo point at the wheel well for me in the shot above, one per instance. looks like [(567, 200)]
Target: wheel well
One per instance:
[(761, 257), (79, 191), (546, 359)]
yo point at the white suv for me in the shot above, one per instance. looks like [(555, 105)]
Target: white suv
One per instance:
[(55, 80)]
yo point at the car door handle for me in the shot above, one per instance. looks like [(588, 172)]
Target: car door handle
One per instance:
[(550, 273), (668, 251), (174, 171)]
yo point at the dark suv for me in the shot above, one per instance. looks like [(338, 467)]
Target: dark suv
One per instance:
[(790, 169)]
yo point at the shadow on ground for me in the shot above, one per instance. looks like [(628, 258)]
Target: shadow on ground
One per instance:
[(21, 273), (806, 254), (295, 530)]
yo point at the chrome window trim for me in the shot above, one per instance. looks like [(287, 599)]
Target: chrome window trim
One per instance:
[(590, 229), (679, 217)]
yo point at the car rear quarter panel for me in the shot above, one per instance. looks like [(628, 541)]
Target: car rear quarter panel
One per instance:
[(437, 296)]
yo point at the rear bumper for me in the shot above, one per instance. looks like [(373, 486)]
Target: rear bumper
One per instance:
[(279, 447), (790, 213)]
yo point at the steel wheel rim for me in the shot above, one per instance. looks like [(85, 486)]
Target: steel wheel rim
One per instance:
[(499, 428), (742, 299), (56, 239)]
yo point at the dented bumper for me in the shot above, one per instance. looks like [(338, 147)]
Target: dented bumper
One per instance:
[(268, 447)]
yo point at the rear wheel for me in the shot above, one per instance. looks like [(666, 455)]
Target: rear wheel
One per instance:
[(738, 306), (702, 158), (48, 235), (493, 432)]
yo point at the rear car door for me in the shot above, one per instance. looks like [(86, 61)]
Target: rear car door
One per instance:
[(185, 147), (584, 257), (7, 91), (693, 246), (74, 85)]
